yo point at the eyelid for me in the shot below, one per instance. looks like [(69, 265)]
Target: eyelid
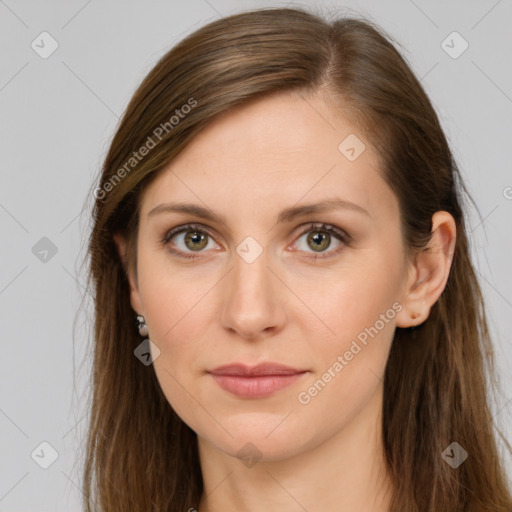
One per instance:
[(184, 228), (308, 227), (329, 228), (343, 237)]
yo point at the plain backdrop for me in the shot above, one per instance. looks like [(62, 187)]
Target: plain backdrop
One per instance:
[(58, 114)]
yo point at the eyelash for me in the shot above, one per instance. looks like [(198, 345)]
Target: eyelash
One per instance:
[(317, 227)]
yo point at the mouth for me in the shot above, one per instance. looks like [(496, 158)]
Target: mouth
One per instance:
[(255, 381)]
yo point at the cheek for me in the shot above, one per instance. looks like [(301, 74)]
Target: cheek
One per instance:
[(350, 364), (352, 301), (169, 294), (175, 306), (359, 315), (349, 369)]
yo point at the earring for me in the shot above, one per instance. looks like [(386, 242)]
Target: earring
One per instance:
[(413, 327), (141, 325)]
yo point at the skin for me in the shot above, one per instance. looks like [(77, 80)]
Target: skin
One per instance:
[(283, 307)]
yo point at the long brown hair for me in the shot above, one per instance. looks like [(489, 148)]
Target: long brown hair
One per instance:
[(139, 453)]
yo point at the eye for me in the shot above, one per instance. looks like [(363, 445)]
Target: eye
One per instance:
[(196, 237), (320, 237), (195, 240)]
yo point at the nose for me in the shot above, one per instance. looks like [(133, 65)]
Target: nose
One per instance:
[(253, 305)]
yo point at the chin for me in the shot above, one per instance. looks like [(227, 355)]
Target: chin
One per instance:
[(253, 450), (262, 438)]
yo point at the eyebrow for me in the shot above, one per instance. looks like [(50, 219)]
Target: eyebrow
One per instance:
[(287, 215)]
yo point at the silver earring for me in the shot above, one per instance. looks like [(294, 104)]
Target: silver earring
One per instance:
[(141, 325)]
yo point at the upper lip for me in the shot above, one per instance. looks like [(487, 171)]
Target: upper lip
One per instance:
[(243, 370)]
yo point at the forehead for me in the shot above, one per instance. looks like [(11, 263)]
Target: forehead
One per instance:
[(282, 149)]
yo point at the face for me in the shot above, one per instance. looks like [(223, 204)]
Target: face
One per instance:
[(316, 290)]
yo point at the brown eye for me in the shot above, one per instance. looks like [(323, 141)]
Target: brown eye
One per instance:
[(319, 241), (320, 238), (195, 240)]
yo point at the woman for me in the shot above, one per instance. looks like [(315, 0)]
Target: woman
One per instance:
[(287, 315)]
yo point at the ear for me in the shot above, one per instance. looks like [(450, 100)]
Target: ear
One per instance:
[(135, 299), (428, 272)]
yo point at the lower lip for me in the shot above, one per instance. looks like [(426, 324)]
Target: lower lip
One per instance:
[(255, 387)]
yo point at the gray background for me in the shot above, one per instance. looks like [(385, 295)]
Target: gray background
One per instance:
[(58, 115)]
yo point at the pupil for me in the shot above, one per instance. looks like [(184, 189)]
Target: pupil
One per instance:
[(318, 238)]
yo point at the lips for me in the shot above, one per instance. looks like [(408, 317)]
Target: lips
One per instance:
[(257, 381), (243, 370)]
